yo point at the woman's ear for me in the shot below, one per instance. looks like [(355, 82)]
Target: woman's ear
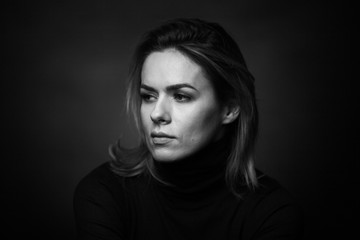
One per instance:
[(231, 113)]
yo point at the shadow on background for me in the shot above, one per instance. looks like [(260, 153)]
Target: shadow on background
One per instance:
[(64, 83)]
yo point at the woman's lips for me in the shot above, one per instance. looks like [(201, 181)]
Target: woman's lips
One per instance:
[(160, 138)]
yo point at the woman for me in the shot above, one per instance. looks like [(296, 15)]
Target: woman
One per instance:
[(193, 174)]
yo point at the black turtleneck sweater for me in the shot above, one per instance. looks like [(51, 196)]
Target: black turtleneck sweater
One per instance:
[(195, 203)]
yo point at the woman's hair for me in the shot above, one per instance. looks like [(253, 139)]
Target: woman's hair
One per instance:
[(212, 48)]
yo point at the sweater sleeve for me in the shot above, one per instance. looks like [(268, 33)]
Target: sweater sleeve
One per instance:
[(96, 210)]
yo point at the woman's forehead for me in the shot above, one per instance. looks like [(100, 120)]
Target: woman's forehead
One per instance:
[(171, 67)]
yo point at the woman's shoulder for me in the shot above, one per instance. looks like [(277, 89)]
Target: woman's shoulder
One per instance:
[(271, 206), (98, 176), (270, 190), (102, 181), (99, 181), (100, 204)]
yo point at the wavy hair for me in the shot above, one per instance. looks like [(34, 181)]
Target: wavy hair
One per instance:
[(212, 48)]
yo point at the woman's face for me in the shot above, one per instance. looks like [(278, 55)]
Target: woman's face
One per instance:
[(179, 111)]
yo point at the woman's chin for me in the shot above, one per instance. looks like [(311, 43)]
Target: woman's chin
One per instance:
[(165, 155)]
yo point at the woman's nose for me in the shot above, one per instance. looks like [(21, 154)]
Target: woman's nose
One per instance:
[(161, 112)]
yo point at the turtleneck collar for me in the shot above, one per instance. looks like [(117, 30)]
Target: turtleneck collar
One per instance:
[(199, 176)]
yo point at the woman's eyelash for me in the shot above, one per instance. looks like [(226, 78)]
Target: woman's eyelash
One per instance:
[(146, 97), (181, 97)]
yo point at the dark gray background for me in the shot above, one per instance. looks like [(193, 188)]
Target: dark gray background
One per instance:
[(64, 81)]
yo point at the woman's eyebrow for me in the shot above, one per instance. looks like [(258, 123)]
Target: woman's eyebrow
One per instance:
[(146, 87), (179, 86), (169, 88)]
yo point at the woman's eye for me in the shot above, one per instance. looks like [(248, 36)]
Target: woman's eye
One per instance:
[(181, 97), (147, 97)]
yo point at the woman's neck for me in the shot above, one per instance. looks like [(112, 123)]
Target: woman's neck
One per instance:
[(198, 176)]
